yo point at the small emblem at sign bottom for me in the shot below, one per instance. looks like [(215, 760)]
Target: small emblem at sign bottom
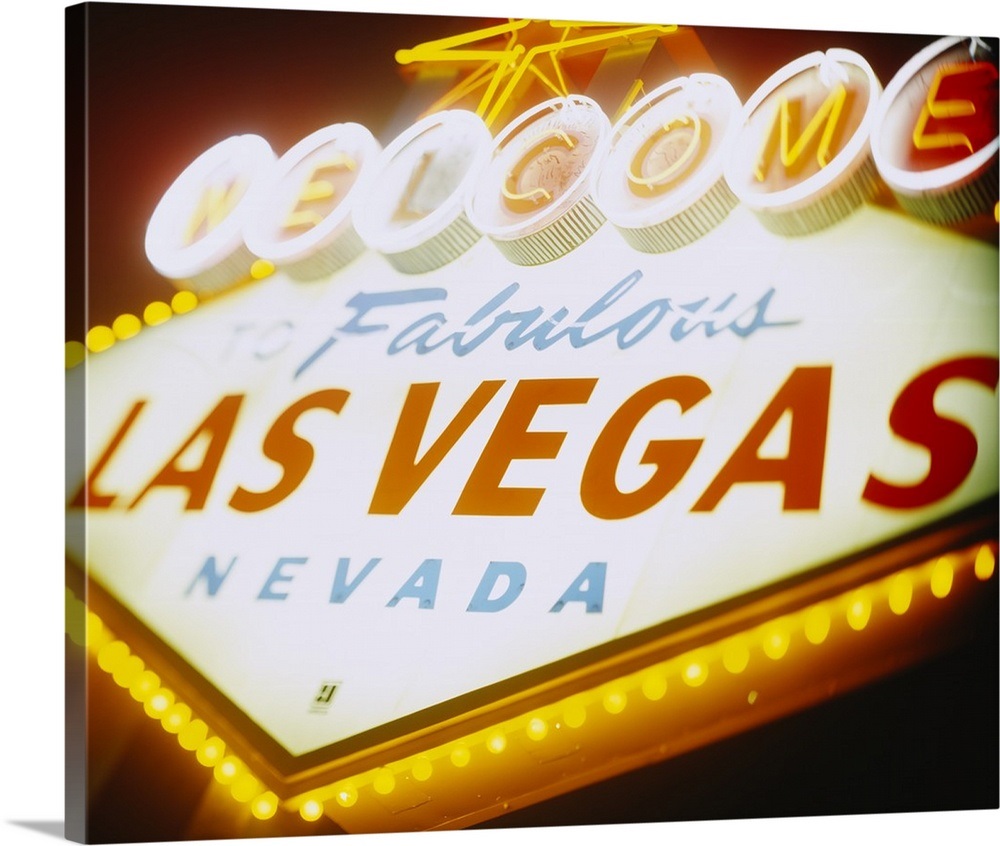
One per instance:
[(323, 699)]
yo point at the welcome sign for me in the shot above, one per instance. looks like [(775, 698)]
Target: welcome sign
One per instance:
[(452, 433)]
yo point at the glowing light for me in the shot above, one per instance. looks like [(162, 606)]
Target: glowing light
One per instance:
[(128, 671), (192, 735), (245, 787), (695, 673), (176, 717), (347, 795), (145, 685), (615, 701), (859, 610), (126, 326), (384, 782), (537, 728), (264, 806), (156, 705), (654, 685), (986, 563), (775, 641), (735, 655), (261, 269), (112, 655), (210, 752), (156, 313), (75, 353), (99, 338), (575, 713), (183, 301), (900, 593), (941, 577), (311, 810), (228, 770), (497, 742), (422, 769), (460, 755), (752, 697), (816, 624), (97, 635)]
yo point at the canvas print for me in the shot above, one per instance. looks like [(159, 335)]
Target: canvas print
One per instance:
[(510, 422)]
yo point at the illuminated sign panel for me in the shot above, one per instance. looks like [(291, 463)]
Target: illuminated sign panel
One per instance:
[(406, 470), (532, 485)]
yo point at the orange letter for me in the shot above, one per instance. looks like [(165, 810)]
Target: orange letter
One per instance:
[(806, 395), (88, 496), (318, 196), (214, 206), (217, 427), (827, 116), (598, 491), (951, 445), (284, 447), (511, 440), (402, 474), (966, 95)]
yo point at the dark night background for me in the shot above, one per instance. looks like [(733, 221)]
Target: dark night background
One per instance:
[(165, 83)]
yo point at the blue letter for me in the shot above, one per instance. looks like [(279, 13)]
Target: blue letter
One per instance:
[(362, 303), (516, 577), (422, 585), (343, 588), (213, 579), (593, 596), (278, 576)]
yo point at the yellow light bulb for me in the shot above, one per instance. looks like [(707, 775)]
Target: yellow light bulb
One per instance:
[(775, 641), (942, 577), (183, 301), (192, 735), (735, 655), (654, 685), (126, 326), (311, 810), (900, 593), (98, 635), (264, 806), (575, 713), (615, 700), (985, 564), (497, 742), (460, 755), (245, 787), (859, 610), (112, 656), (261, 269), (176, 717), (422, 769), (210, 751), (228, 770), (695, 673), (128, 671), (158, 703), (100, 338), (156, 313), (816, 624), (537, 728), (145, 685), (347, 795), (384, 782)]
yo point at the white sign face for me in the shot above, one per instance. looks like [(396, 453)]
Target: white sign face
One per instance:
[(404, 489)]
